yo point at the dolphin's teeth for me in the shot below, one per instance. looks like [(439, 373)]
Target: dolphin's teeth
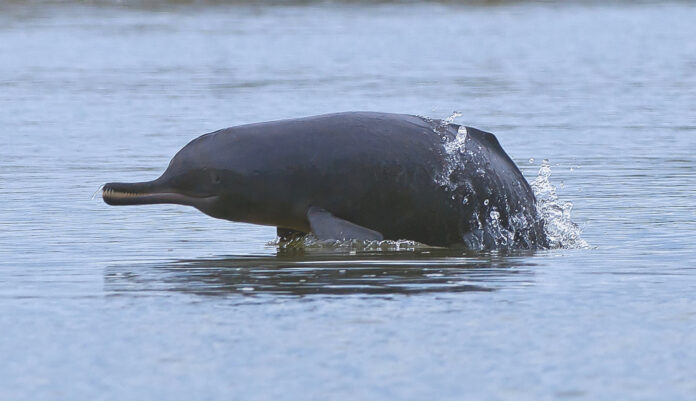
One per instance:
[(114, 194)]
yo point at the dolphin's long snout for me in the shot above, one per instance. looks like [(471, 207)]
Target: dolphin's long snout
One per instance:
[(135, 193), (149, 193)]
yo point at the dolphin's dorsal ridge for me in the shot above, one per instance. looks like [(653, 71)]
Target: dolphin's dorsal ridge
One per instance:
[(326, 226)]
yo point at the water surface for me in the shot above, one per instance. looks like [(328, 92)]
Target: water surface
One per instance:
[(162, 302)]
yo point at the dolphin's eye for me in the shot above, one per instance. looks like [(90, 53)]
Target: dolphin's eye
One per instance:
[(215, 177)]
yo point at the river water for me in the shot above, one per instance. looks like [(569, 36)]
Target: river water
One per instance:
[(162, 302)]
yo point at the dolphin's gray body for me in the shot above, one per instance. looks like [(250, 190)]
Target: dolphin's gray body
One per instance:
[(357, 175)]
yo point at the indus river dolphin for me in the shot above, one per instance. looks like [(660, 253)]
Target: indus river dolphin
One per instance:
[(357, 175)]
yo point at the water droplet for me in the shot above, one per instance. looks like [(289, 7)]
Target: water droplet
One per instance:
[(485, 202), (449, 120), (531, 160)]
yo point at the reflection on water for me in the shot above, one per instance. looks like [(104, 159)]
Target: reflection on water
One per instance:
[(325, 271)]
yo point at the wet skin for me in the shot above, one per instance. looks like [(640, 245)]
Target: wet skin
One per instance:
[(356, 175)]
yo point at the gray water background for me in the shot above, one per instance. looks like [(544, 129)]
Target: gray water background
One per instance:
[(162, 302)]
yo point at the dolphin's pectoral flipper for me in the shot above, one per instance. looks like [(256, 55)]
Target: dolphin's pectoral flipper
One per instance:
[(325, 225), (287, 234)]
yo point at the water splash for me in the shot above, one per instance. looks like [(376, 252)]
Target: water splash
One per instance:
[(440, 126), (451, 118), (561, 231), (309, 241), (489, 225), (458, 144), (454, 150)]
